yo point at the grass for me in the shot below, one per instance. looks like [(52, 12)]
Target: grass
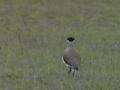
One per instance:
[(32, 40)]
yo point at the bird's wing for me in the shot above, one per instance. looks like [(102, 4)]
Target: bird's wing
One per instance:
[(71, 57)]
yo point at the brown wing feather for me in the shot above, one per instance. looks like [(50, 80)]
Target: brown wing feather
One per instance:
[(71, 57)]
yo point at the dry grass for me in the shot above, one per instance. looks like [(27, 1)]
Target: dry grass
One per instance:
[(32, 39)]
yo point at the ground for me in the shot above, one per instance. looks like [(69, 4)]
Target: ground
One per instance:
[(32, 40)]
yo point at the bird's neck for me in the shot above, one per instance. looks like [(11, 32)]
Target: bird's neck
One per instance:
[(71, 45)]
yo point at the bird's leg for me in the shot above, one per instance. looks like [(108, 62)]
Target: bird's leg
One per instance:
[(69, 70), (73, 72)]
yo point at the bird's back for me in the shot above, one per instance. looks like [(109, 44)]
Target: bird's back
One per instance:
[(71, 57)]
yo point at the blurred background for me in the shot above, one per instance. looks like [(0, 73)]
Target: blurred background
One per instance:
[(32, 41)]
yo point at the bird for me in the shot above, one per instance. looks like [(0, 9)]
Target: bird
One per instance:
[(70, 56)]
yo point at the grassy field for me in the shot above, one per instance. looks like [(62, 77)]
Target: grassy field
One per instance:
[(32, 40)]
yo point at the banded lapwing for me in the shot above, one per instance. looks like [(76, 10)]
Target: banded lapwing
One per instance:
[(70, 57)]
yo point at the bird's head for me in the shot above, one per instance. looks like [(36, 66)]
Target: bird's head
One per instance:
[(70, 41)]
